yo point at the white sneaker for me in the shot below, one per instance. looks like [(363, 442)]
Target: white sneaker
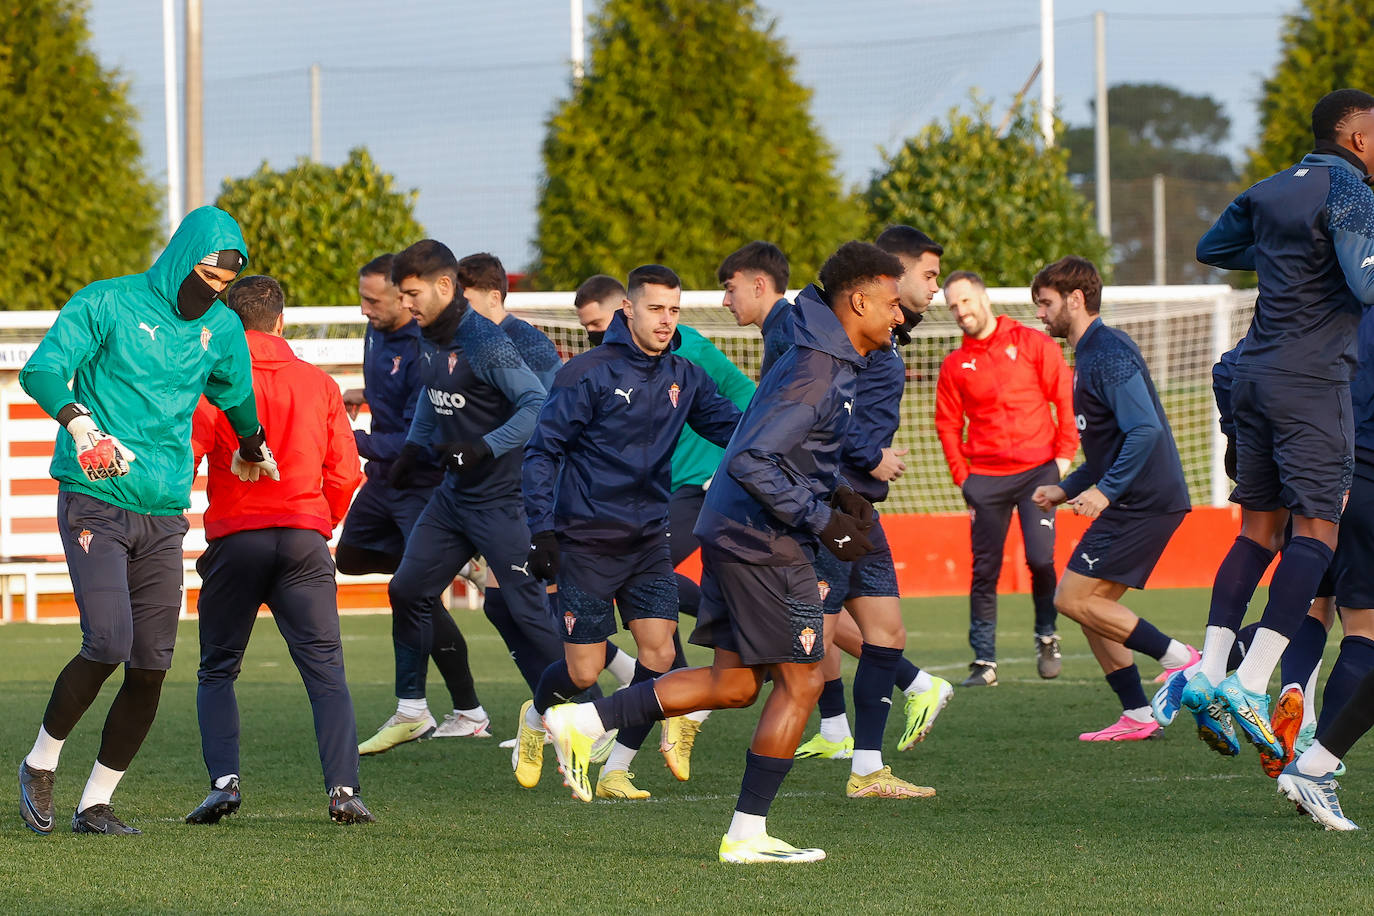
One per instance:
[(475, 571), (457, 725)]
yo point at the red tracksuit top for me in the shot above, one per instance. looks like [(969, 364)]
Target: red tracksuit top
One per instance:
[(1004, 387), (302, 413)]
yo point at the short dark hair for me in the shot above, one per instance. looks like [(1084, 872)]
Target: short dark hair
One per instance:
[(968, 275), (1331, 111), (425, 259), (852, 265), (656, 274), (764, 257), (598, 288), (483, 271), (900, 239), (1069, 274), (378, 266), (257, 300)]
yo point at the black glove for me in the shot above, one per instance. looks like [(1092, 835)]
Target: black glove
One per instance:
[(844, 536), (909, 321), (1229, 461), (398, 478), (467, 458), (543, 560), (851, 503)]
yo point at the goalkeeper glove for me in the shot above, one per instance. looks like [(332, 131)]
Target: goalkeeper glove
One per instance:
[(844, 536), (100, 455), (253, 459), (851, 503)]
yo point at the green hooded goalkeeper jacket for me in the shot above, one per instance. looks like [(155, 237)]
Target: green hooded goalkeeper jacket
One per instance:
[(141, 368)]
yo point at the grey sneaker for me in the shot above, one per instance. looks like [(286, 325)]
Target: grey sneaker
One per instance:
[(101, 819), (35, 797), (347, 808), (981, 674), (1316, 795), (1047, 658)]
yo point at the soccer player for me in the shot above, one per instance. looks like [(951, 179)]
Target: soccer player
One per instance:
[(477, 407), (121, 370), (755, 279), (776, 502), (596, 483), (269, 544), (1306, 231), (1130, 484), (868, 588), (1001, 441), (381, 516), (596, 301)]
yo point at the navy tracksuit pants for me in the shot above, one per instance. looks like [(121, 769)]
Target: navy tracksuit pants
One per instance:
[(290, 571)]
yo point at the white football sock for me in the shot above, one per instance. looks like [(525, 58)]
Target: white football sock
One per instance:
[(1309, 698), (1317, 761), (1176, 655), (1216, 649), (835, 728), (223, 781), (866, 762), (1261, 658), (920, 684), (533, 719), (744, 826), (622, 667), (477, 712), (412, 709), (100, 787), (46, 750), (701, 715), (1141, 715), (586, 719), (620, 758)]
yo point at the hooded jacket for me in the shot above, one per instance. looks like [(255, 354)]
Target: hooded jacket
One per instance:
[(308, 432), (695, 460), (772, 496), (598, 466), (141, 368), (391, 383)]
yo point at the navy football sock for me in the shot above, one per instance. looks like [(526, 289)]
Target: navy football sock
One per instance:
[(873, 681), (1295, 581), (1244, 637), (1147, 640), (1350, 724), (632, 736), (1237, 578), (555, 686), (1354, 663), (679, 656), (1303, 653), (906, 674), (763, 778), (1126, 684), (634, 705), (832, 699)]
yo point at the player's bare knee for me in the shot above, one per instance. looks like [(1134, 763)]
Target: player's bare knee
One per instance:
[(583, 673), (737, 688)]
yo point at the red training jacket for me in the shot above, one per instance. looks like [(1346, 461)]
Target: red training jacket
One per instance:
[(1004, 386), (307, 429)]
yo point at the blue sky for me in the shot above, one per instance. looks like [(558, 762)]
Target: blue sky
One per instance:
[(451, 97)]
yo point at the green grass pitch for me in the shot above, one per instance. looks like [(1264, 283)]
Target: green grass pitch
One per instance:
[(1027, 818)]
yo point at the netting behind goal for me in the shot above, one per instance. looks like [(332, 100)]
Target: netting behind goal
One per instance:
[(1180, 331)]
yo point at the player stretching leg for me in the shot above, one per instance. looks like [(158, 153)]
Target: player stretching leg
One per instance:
[(1130, 484), (759, 529)]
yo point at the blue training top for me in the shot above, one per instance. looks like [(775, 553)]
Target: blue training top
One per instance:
[(534, 348), (391, 382)]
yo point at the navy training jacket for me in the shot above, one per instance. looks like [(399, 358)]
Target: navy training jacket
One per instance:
[(1308, 232), (534, 348), (391, 382), (598, 466), (783, 463)]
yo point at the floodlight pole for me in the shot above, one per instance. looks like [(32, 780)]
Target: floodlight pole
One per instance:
[(195, 102), (579, 50), (169, 95), (1047, 71)]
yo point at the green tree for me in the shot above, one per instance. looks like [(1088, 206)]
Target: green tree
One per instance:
[(1154, 129), (688, 136), (1002, 205), (313, 225), (75, 204), (1328, 45)]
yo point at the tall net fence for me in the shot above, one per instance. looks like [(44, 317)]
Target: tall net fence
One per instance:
[(1180, 332)]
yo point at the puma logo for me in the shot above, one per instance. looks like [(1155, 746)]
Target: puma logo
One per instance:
[(1091, 561), (521, 569), (971, 364), (1368, 262), (152, 332), (1047, 523), (849, 407), (625, 393), (840, 542)]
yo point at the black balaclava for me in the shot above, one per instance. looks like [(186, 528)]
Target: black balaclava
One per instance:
[(195, 296)]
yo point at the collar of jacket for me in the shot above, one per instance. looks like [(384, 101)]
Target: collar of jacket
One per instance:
[(1089, 331), (268, 348), (1327, 148), (1001, 327), (618, 334), (440, 331), (407, 331), (818, 328)]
